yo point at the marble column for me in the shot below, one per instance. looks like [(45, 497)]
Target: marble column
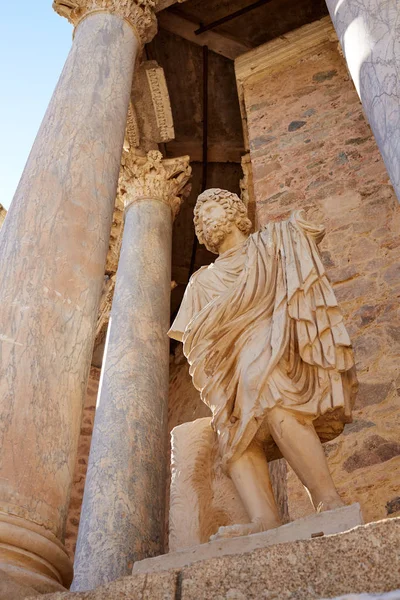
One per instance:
[(369, 33), (53, 249), (122, 517)]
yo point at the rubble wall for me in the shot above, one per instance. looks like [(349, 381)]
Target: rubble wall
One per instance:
[(312, 148)]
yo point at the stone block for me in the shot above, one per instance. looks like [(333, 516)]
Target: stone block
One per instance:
[(158, 586), (325, 523), (389, 596), (363, 560)]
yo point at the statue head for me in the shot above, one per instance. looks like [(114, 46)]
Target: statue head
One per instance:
[(216, 214)]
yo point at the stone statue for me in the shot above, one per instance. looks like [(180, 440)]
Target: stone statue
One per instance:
[(268, 352)]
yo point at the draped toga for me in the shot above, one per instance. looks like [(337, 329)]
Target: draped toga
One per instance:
[(261, 328)]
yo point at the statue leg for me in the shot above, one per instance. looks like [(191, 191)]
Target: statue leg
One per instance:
[(250, 475), (300, 445)]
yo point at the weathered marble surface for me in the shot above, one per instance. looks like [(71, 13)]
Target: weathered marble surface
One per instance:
[(53, 248), (369, 33), (122, 518), (123, 507)]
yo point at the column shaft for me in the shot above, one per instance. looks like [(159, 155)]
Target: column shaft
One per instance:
[(53, 248), (369, 33), (123, 509)]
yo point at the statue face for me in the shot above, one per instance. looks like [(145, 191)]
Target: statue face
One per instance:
[(214, 224)]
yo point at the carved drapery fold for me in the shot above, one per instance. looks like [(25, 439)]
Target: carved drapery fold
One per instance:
[(152, 177), (140, 14)]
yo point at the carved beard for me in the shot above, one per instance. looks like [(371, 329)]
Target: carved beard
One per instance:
[(215, 232)]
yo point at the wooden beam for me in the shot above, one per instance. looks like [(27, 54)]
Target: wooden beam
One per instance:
[(162, 4), (216, 153), (221, 44)]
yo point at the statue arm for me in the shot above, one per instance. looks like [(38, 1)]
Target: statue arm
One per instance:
[(193, 301)]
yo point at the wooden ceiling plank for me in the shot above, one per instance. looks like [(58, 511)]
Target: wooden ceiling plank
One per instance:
[(216, 153), (162, 4), (221, 44)]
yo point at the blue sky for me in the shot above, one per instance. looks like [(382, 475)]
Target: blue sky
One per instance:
[(34, 44)]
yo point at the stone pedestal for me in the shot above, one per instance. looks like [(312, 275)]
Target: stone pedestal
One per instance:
[(122, 516), (53, 248), (314, 526), (369, 33)]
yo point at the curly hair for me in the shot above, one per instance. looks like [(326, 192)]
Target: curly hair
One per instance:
[(235, 209)]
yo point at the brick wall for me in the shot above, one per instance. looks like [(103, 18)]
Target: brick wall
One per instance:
[(312, 148), (81, 463)]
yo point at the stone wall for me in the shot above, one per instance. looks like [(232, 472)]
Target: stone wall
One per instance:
[(312, 148)]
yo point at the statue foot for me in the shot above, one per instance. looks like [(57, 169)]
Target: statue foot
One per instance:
[(330, 504), (256, 526)]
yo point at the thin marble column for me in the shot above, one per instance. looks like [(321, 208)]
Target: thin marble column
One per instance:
[(53, 249), (369, 33), (122, 517)]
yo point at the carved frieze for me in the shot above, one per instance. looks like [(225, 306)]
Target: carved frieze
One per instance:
[(132, 133), (161, 103), (139, 13), (152, 105), (151, 176)]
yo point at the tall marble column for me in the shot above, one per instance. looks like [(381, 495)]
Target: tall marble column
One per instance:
[(369, 33), (122, 517), (53, 249)]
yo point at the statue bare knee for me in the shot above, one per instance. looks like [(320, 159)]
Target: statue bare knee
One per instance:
[(296, 438)]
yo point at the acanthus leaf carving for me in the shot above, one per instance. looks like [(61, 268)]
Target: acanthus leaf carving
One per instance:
[(152, 177), (139, 13)]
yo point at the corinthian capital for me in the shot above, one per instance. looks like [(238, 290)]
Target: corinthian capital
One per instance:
[(139, 13), (152, 177)]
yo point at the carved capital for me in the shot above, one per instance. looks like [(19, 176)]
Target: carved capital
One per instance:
[(140, 14), (152, 177)]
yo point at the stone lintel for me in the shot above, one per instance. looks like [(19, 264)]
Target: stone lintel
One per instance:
[(151, 177), (318, 525), (288, 48)]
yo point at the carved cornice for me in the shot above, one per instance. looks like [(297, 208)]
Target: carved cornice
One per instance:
[(161, 103), (140, 14), (132, 133), (152, 177)]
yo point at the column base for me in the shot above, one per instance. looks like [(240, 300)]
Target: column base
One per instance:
[(32, 558)]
